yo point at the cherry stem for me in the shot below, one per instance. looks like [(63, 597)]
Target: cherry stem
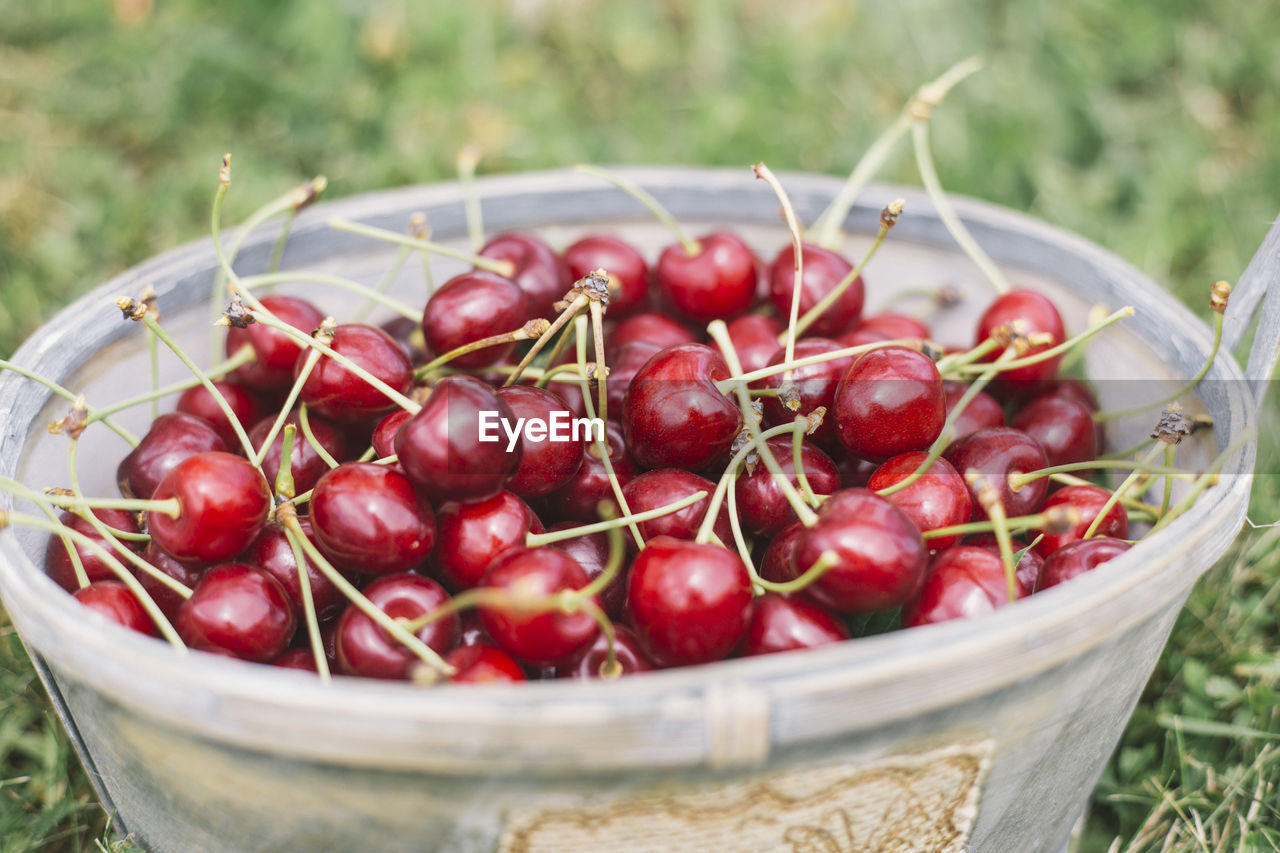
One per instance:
[(1018, 479), (1206, 480), (706, 528), (601, 374), (610, 668), (1103, 417), (394, 627), (153, 356), (801, 423), (948, 363), (989, 497), (77, 565), (691, 247), (1132, 504), (1169, 453), (277, 248), (724, 386), (535, 540), (308, 601), (506, 269), (827, 226), (466, 162), (740, 541), (284, 475), (793, 329), (304, 420), (1140, 470), (571, 310), (243, 356), (370, 294), (553, 356), (1012, 523), (1054, 351), (313, 357), (92, 414), (171, 507), (534, 329), (617, 550), (384, 283), (826, 560)]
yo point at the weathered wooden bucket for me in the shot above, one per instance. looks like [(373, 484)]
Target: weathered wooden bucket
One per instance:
[(986, 734)]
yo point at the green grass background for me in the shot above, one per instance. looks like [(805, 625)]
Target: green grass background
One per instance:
[(1150, 127)]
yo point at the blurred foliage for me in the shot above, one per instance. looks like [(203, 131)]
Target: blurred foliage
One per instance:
[(1147, 126)]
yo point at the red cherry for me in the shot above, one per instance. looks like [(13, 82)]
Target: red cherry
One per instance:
[(165, 598), (1072, 389), (171, 439), (368, 518), (882, 558), (301, 659), (628, 272), (1064, 428), (963, 582), (689, 602), (822, 270), (366, 649), (549, 462), (1071, 561), (473, 534), (57, 559), (441, 450), (762, 506), (533, 575), (755, 339), (384, 434), (624, 363), (113, 600), (855, 472), (627, 652), (778, 562), (223, 502), (306, 465), (1035, 314), (592, 553), (408, 334), (335, 392), (674, 415), (662, 486), (780, 623), (276, 354), (716, 282), (891, 327), (890, 402), (816, 385), (655, 329), (472, 306), (981, 412), (272, 553), (998, 452), (1028, 568), (199, 403), (579, 499), (237, 609), (1088, 501), (939, 498), (539, 271), (483, 664)]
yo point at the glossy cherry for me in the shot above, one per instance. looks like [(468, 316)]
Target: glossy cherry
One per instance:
[(627, 652), (822, 270), (539, 271), (662, 486), (299, 658), (718, 281), (472, 306), (815, 383), (628, 272), (237, 609), (778, 562), (365, 648), (781, 623), (1071, 561), (624, 362), (939, 498), (223, 502), (890, 402), (335, 392), (755, 339), (981, 412), (306, 465), (384, 434), (579, 499), (1028, 569), (657, 330), (885, 327), (57, 559), (1063, 426), (1035, 314), (369, 519), (185, 573), (275, 353), (113, 600), (531, 576), (171, 439), (592, 553), (272, 553), (246, 407), (963, 582), (472, 534), (998, 452), (482, 663), (763, 507), (1088, 501), (547, 461)]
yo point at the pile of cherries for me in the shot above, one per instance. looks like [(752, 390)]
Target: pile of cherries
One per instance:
[(858, 471)]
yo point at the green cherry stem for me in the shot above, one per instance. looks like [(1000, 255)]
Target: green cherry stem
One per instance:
[(502, 268), (532, 330), (466, 162), (243, 356), (1206, 480), (988, 496), (370, 294), (304, 421), (384, 283), (284, 475), (1126, 485), (708, 524), (725, 386), (740, 541), (327, 326), (631, 188), (793, 329), (801, 429), (92, 414), (1054, 351), (535, 540)]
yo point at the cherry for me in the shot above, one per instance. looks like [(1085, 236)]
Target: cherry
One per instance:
[(963, 582), (113, 600), (200, 403), (483, 664), (998, 452), (546, 463), (689, 602), (885, 327), (470, 631), (662, 486), (1063, 426), (539, 271), (237, 609), (306, 465), (674, 415), (627, 652), (368, 518), (1072, 389), (823, 270), (781, 623), (1034, 314), (939, 498), (628, 272), (272, 553), (223, 502), (335, 392), (302, 659), (1075, 559), (592, 553), (366, 649), (57, 559), (440, 447), (471, 535), (579, 499), (717, 281), (654, 329), (890, 402), (1088, 501), (384, 434), (470, 307), (529, 576), (778, 562), (755, 339), (981, 412), (165, 598), (1028, 569), (882, 557), (763, 507), (624, 363), (171, 439), (275, 353), (854, 470), (816, 385), (408, 334)]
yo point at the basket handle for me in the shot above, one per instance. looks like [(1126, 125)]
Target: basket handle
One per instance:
[(1258, 285)]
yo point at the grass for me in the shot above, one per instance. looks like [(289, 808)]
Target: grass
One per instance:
[(1147, 126)]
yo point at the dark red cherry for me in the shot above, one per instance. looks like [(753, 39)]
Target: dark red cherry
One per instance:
[(755, 339), (454, 448), (276, 354), (1064, 428), (718, 281), (301, 659), (384, 434), (539, 271), (781, 623), (1029, 566), (223, 502), (237, 609), (335, 392), (592, 553), (657, 330), (550, 452), (939, 498), (57, 559), (674, 415), (1088, 501), (579, 499), (366, 649), (855, 471), (306, 465), (998, 452), (815, 383), (628, 272), (963, 582), (408, 334), (113, 600), (1034, 313), (1071, 388), (470, 631), (886, 327), (368, 518), (483, 664), (471, 535), (822, 270), (882, 558), (624, 363), (171, 439), (272, 553), (662, 486), (890, 402), (626, 650), (689, 602), (531, 576), (472, 306), (245, 406), (762, 506), (165, 598), (778, 562), (1071, 561), (981, 412)]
